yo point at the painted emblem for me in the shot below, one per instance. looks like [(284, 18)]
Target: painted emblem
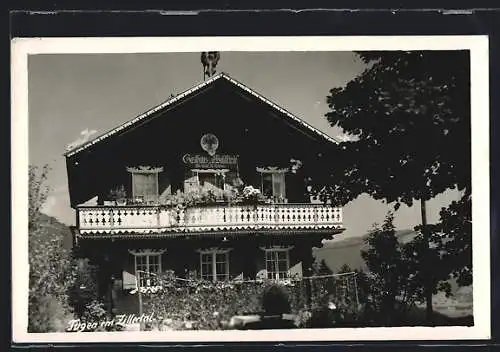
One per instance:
[(209, 143)]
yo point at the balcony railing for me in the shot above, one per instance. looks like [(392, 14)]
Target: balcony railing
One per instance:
[(142, 218)]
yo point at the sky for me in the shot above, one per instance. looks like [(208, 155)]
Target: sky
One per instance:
[(76, 97)]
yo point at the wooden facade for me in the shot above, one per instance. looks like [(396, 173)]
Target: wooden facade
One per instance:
[(219, 136)]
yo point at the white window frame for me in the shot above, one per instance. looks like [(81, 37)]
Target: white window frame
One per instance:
[(213, 253), (276, 250), (148, 254), (273, 171)]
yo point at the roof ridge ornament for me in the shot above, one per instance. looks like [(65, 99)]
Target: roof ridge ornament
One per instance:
[(209, 60)]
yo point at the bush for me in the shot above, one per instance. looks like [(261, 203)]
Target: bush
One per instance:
[(203, 305), (200, 304), (48, 314), (60, 286), (275, 300), (84, 290)]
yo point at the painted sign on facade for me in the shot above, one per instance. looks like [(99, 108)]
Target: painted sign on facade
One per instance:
[(222, 161)]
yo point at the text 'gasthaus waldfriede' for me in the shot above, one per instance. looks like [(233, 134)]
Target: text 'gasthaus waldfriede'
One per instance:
[(121, 319)]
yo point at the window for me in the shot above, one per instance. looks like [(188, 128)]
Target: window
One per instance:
[(214, 265), (147, 268), (208, 179), (273, 183), (277, 263), (145, 183)]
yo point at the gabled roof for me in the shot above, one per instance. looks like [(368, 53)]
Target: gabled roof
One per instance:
[(185, 95)]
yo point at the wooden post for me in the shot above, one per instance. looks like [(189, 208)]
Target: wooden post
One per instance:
[(139, 295), (427, 271), (309, 289), (307, 267), (356, 289)]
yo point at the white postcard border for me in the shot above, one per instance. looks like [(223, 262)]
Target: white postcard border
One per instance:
[(21, 48)]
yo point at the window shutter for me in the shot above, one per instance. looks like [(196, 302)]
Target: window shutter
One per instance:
[(128, 280), (190, 181), (145, 185), (296, 271)]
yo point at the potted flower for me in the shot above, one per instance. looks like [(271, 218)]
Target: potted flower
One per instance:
[(119, 195), (251, 195)]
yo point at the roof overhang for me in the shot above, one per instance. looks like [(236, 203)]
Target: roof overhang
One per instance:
[(184, 95), (84, 162)]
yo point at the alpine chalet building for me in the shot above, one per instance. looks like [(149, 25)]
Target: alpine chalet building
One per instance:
[(213, 183)]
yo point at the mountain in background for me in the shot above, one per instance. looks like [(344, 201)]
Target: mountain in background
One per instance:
[(347, 250), (335, 253), (51, 224)]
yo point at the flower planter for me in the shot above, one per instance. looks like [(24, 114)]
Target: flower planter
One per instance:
[(121, 202)]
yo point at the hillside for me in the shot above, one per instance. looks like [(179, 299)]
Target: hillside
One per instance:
[(51, 224), (348, 251)]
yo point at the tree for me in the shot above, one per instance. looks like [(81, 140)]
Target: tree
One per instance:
[(454, 239), (319, 267), (408, 115), (37, 194), (50, 265), (84, 291), (392, 281)]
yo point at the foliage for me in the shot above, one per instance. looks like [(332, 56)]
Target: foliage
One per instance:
[(51, 274), (83, 294), (61, 287), (408, 118), (200, 196), (394, 285), (452, 236), (395, 281), (195, 196), (456, 229), (321, 268), (48, 314), (118, 193), (408, 114), (38, 192), (251, 195), (201, 304), (335, 299), (205, 304), (275, 300)]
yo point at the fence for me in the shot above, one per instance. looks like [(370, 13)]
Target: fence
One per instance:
[(336, 287), (206, 304)]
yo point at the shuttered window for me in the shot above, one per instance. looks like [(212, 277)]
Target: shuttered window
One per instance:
[(145, 185)]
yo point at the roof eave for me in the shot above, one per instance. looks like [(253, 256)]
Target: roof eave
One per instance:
[(186, 93)]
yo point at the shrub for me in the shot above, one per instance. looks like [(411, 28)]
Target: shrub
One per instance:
[(210, 305), (275, 300), (203, 305), (84, 289), (48, 314)]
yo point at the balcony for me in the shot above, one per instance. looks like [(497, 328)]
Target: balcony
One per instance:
[(145, 219)]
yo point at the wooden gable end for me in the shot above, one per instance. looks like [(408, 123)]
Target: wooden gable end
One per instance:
[(245, 126)]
